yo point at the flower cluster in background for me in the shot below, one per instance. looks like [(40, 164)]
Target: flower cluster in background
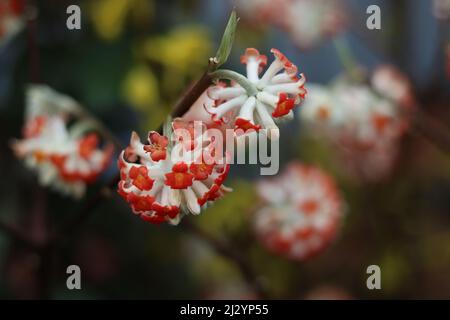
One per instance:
[(364, 122), (64, 158), (441, 9), (306, 22), (303, 212)]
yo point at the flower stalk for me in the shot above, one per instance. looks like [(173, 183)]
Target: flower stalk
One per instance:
[(96, 124), (238, 78), (347, 59)]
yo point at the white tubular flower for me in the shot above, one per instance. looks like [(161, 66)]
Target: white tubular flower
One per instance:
[(42, 100), (367, 118), (319, 110), (12, 18), (303, 212), (162, 183), (255, 102), (391, 83), (62, 160)]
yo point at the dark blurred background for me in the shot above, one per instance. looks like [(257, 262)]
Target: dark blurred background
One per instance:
[(128, 65)]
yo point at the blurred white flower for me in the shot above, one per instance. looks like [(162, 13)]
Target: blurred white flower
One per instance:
[(366, 117), (42, 100), (319, 108), (364, 122), (302, 214), (307, 22), (261, 11), (441, 9), (63, 159), (368, 164), (350, 111), (391, 83)]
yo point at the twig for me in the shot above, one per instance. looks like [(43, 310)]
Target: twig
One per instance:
[(226, 250), (72, 225), (348, 61), (45, 252), (17, 234), (44, 272), (432, 130), (107, 134), (191, 95), (33, 54)]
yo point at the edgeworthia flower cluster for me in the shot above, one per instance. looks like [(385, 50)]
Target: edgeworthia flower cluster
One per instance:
[(260, 99), (64, 158), (302, 212), (307, 22), (163, 180), (365, 121)]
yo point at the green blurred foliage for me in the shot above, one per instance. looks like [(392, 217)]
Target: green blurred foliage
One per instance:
[(229, 217)]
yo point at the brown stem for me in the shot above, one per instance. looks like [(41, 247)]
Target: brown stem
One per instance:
[(33, 51), (43, 250), (191, 95), (44, 271), (227, 251), (39, 231), (432, 130), (107, 134), (18, 235), (37, 221), (193, 92)]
